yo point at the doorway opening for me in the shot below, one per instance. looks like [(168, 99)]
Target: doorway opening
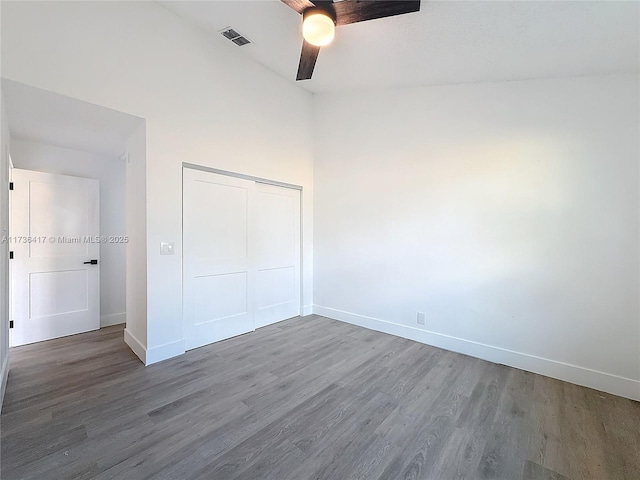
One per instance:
[(74, 166)]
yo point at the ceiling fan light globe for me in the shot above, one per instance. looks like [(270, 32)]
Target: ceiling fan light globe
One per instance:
[(318, 29)]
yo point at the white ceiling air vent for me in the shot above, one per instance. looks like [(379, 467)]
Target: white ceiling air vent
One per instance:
[(235, 37)]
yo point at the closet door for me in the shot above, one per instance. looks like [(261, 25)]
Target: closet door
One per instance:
[(218, 276), (277, 254)]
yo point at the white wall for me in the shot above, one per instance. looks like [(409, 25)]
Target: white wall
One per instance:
[(507, 212), (110, 171), (203, 102), (136, 222), (5, 142)]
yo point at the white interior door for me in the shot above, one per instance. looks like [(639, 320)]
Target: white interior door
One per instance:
[(277, 253), (54, 234), (218, 281)]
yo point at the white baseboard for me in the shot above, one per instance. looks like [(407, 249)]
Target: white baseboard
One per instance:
[(153, 354), (136, 346), (606, 382), (307, 310), (4, 373), (113, 319), (164, 352)]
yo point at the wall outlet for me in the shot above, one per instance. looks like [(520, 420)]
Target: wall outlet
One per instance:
[(422, 318)]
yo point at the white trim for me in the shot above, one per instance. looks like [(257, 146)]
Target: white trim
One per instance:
[(164, 352), (307, 310), (251, 178), (113, 319), (135, 345), (606, 382), (4, 373)]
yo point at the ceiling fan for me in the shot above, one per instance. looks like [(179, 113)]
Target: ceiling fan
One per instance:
[(320, 17)]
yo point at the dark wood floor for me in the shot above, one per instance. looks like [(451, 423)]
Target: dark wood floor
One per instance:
[(304, 399)]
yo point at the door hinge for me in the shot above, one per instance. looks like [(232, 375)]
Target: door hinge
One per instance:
[(10, 185), (10, 255), (10, 323)]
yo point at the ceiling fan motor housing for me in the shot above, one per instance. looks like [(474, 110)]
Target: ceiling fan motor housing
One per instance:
[(327, 10)]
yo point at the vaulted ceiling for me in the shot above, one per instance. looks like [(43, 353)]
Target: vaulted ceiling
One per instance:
[(447, 42)]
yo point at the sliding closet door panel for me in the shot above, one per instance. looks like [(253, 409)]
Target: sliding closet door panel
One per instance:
[(222, 220), (277, 254), (217, 264)]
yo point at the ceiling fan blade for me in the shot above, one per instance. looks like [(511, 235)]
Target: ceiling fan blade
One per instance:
[(352, 11), (298, 5), (308, 59)]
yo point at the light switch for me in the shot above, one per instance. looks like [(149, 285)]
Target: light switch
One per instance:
[(167, 248)]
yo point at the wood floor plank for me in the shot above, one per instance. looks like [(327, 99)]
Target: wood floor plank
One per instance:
[(466, 448), (307, 398), (533, 471), (502, 459)]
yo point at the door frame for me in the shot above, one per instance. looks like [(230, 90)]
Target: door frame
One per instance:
[(227, 173)]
